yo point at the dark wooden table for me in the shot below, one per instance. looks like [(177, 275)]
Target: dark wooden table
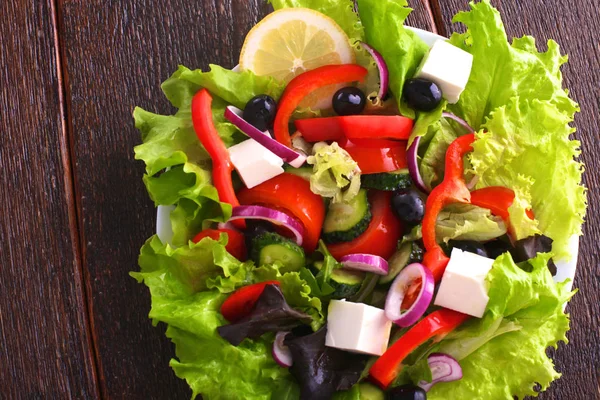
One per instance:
[(75, 212)]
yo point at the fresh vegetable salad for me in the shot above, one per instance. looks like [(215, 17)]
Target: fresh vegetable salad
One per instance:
[(352, 213)]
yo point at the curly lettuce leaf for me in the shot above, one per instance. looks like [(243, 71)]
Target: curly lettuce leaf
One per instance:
[(502, 71), (335, 174), (527, 148), (170, 142), (467, 222), (523, 318)]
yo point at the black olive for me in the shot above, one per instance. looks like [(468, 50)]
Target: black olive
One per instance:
[(422, 94), (349, 101), (408, 206), (406, 392), (260, 111), (469, 245)]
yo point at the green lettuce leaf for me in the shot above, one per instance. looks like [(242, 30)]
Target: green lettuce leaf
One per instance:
[(504, 353), (335, 174), (433, 161), (502, 71), (467, 222), (170, 142), (527, 148)]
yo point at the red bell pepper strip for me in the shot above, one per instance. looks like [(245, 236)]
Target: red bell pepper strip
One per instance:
[(453, 189), (291, 194), (355, 127), (437, 324), (242, 301), (222, 167), (381, 236), (376, 155), (306, 83), (236, 245), (497, 199)]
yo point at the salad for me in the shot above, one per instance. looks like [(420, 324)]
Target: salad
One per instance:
[(354, 213)]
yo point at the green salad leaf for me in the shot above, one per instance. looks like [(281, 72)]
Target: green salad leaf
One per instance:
[(335, 174), (467, 222), (504, 354)]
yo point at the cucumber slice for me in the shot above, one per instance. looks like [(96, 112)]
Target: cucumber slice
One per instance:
[(409, 252), (303, 172), (344, 282), (270, 247), (347, 221), (391, 181), (370, 392)]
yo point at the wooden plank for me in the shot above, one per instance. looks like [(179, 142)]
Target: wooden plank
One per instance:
[(45, 349), (576, 28), (117, 54)]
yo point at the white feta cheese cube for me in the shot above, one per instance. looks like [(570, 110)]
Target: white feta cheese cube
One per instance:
[(357, 327), (449, 67), (254, 162), (463, 287)]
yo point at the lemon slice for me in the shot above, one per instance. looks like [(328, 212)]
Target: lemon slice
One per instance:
[(291, 41)]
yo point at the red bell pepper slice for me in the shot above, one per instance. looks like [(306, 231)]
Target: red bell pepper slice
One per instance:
[(242, 301), (376, 155), (497, 199), (306, 83), (222, 167), (291, 194), (437, 324), (236, 245), (381, 236), (355, 127), (452, 189)]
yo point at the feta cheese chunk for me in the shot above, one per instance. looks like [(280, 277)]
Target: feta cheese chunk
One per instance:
[(449, 67), (463, 287), (357, 327), (254, 162)]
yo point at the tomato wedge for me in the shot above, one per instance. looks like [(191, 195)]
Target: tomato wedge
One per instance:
[(236, 245), (355, 127), (438, 323), (376, 155), (291, 194), (242, 301), (380, 238)]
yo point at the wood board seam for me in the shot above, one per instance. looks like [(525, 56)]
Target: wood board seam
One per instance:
[(73, 205)]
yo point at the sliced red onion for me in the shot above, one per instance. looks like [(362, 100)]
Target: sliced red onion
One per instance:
[(460, 121), (384, 76), (365, 262), (226, 225), (444, 368), (281, 354), (235, 116), (413, 165), (268, 214), (407, 277)]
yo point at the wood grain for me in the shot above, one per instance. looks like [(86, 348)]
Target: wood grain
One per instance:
[(45, 350), (117, 53), (575, 26)]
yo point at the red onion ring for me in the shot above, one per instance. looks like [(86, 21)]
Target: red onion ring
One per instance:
[(281, 353), (444, 368), (413, 165), (460, 121), (398, 290), (365, 262), (268, 214), (384, 75), (235, 116)]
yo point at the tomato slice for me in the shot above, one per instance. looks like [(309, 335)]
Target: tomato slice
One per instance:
[(242, 301), (382, 234), (376, 155), (291, 194), (355, 127), (236, 245)]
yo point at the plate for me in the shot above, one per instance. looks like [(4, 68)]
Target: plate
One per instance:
[(565, 268)]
